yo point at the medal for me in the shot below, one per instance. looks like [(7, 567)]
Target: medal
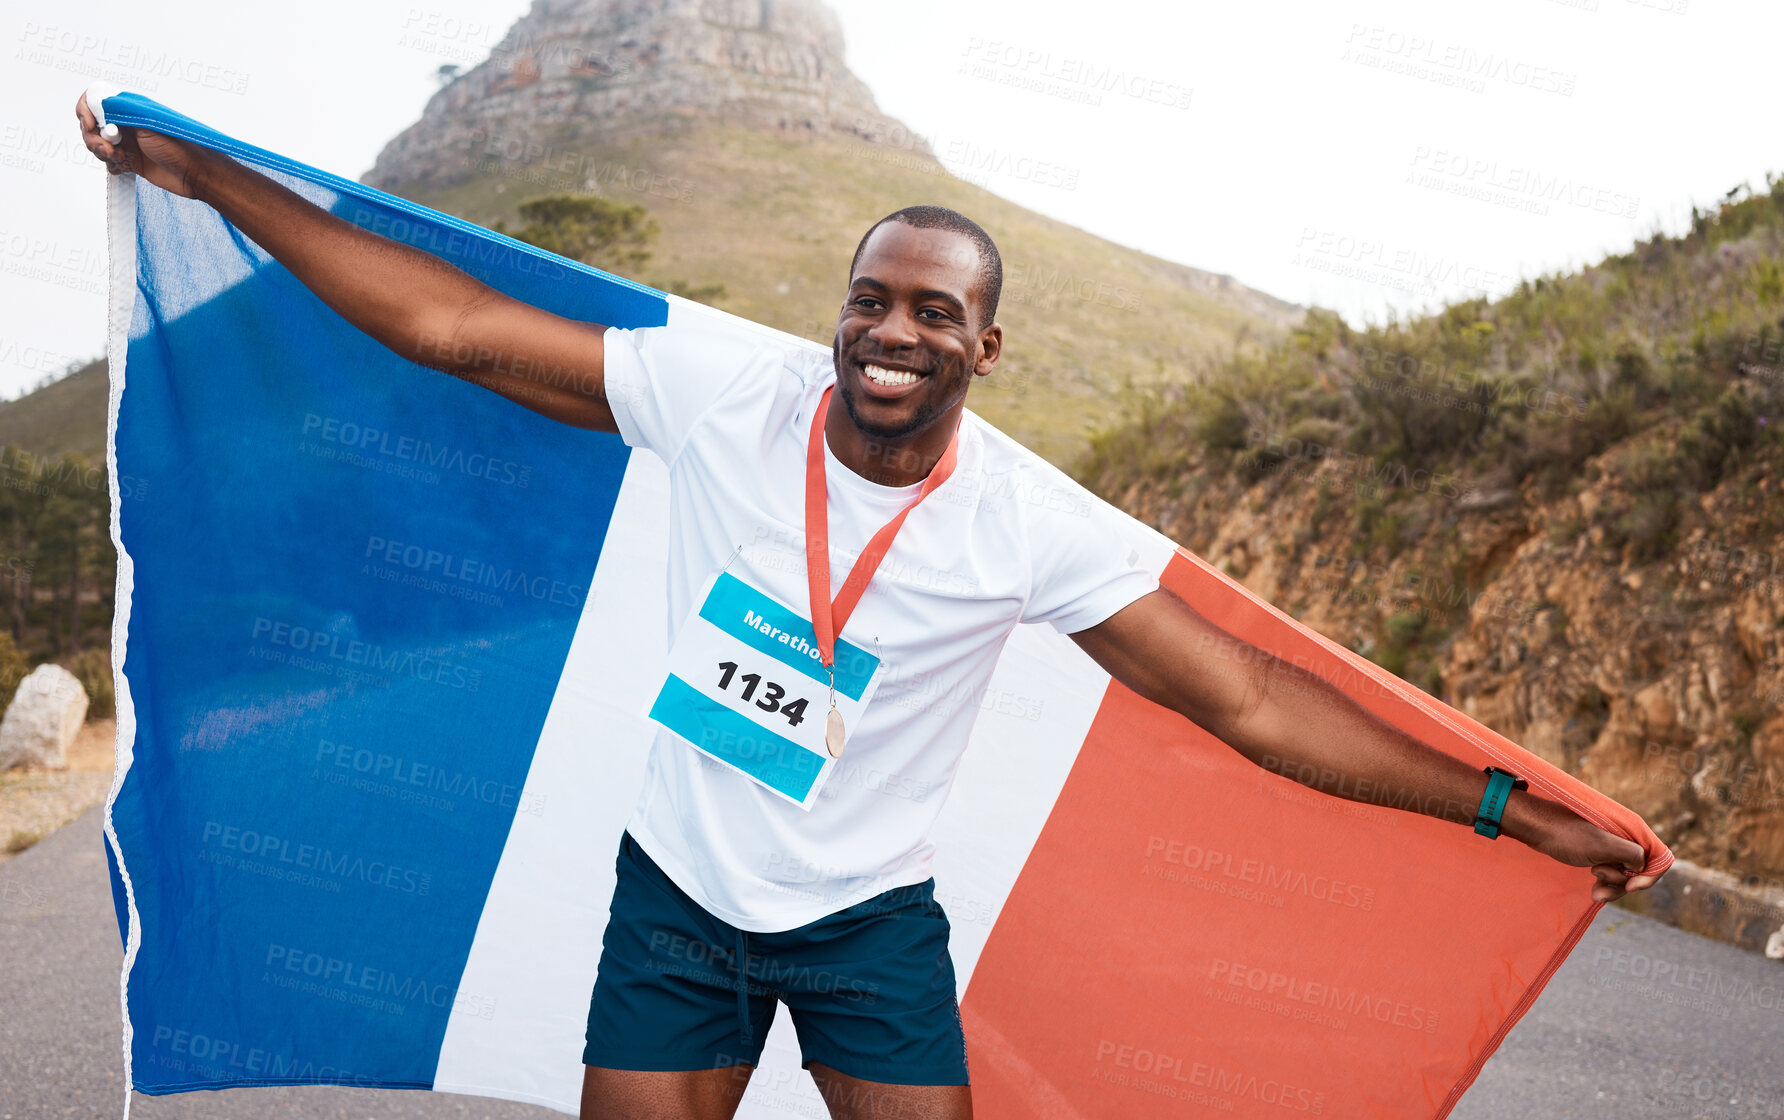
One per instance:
[(834, 734), (828, 617)]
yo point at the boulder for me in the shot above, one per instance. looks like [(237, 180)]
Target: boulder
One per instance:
[(45, 716)]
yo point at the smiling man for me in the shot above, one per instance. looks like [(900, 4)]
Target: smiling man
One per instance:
[(899, 385), (834, 564)]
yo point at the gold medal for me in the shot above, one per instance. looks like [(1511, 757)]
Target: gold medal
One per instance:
[(833, 733)]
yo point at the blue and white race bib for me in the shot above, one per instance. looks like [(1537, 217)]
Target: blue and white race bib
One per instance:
[(745, 686)]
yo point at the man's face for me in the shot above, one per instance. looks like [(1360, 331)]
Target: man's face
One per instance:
[(909, 338)]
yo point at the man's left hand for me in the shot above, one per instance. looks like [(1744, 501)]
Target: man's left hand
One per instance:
[(1563, 835)]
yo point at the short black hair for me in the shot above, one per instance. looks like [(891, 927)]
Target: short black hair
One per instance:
[(940, 217)]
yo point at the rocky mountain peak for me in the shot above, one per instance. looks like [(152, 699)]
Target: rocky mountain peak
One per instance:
[(593, 71)]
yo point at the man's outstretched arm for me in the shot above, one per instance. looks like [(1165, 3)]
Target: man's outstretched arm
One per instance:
[(1292, 722), (413, 302)]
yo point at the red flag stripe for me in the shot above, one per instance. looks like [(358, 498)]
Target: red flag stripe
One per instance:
[(1194, 935)]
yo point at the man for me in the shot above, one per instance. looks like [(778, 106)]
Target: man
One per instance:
[(835, 499)]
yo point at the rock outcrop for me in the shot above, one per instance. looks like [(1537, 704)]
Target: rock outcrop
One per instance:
[(45, 715), (737, 125), (601, 70), (1658, 680)]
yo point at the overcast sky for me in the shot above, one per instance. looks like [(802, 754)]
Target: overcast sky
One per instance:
[(1362, 156)]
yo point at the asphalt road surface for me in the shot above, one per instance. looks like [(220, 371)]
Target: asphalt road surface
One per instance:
[(1643, 1022)]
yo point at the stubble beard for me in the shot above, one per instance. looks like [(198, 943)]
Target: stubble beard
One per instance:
[(925, 414)]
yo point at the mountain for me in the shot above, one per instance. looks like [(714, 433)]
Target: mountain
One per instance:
[(641, 68), (65, 417), (739, 126), (1562, 512)]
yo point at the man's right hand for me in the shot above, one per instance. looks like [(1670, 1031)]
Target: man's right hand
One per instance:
[(416, 304), (164, 161)]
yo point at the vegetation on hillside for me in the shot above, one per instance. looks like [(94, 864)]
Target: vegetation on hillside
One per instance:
[(1672, 353), (682, 212), (613, 236), (775, 219), (64, 417), (1561, 511), (1681, 338), (57, 569)]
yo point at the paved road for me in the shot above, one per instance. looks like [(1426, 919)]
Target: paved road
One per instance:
[(1677, 1044), (59, 1046)]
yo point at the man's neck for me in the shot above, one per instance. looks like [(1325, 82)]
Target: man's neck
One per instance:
[(904, 461)]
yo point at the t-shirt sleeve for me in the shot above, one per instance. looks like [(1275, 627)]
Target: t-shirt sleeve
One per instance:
[(661, 380), (1086, 556)]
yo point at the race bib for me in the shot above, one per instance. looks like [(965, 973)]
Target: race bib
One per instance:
[(745, 686)]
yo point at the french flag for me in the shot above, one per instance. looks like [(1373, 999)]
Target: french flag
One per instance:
[(384, 645)]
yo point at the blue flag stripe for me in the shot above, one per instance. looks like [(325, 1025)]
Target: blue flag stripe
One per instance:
[(133, 110), (356, 581)]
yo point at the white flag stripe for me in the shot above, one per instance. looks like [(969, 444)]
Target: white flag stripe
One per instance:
[(517, 1031), (524, 996)]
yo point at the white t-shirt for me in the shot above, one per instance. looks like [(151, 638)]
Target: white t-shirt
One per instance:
[(1007, 539)]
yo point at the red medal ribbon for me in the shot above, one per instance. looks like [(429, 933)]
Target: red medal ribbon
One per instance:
[(829, 618)]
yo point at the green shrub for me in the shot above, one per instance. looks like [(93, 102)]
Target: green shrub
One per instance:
[(1221, 428), (1433, 682), (1746, 720), (1564, 532), (1610, 418), (1528, 389), (93, 669), (1733, 419), (616, 236), (13, 668), (1377, 526), (1254, 463), (1651, 466), (1650, 528), (1322, 507), (1393, 659), (1767, 280), (1405, 627), (1712, 442), (1313, 430)]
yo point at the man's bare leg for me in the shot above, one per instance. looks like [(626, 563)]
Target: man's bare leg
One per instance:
[(850, 1098), (626, 1094)]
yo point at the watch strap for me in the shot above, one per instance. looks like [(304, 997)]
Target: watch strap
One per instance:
[(1500, 783)]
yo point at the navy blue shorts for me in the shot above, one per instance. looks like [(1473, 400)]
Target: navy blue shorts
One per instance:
[(870, 988)]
